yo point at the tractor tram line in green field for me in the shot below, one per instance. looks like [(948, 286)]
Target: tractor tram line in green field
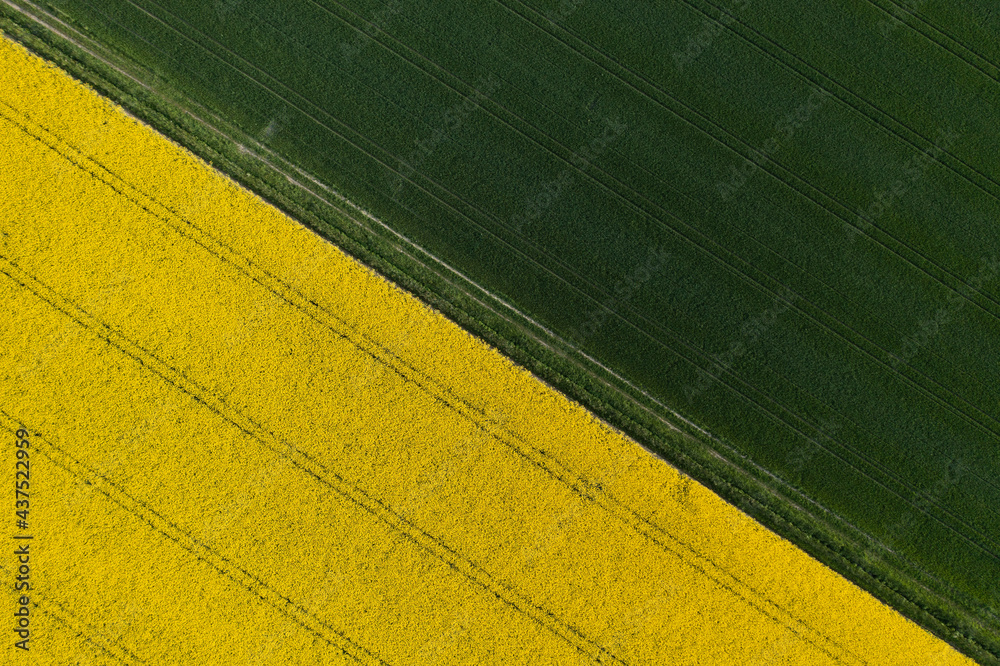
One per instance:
[(845, 90), (845, 218)]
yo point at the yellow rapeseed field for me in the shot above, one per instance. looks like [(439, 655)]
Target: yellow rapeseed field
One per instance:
[(246, 448)]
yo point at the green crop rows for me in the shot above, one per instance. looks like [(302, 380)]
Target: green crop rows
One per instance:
[(781, 224)]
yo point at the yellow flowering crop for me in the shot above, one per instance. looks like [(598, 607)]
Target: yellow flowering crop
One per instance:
[(248, 448)]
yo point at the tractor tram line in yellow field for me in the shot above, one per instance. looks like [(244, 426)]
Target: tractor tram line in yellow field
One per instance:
[(199, 394), (80, 630), (393, 488), (201, 552)]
